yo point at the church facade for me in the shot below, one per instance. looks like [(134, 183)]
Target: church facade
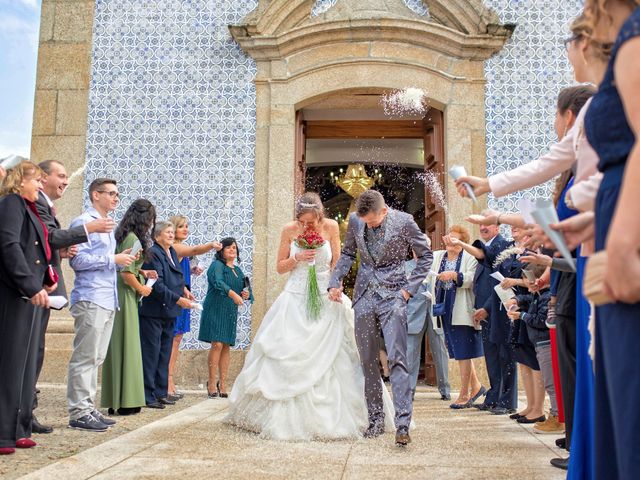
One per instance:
[(225, 110)]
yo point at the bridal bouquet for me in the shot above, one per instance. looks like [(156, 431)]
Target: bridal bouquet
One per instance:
[(311, 240)]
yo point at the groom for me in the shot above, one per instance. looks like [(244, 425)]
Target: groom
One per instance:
[(384, 238)]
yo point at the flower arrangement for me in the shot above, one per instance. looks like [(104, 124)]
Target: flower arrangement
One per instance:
[(312, 240)]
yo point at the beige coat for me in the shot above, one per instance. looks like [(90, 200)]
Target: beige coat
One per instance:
[(463, 307)]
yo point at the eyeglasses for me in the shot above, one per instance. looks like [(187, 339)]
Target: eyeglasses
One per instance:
[(570, 40), (112, 194)]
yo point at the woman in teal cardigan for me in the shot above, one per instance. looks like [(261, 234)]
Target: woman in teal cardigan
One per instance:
[(228, 290)]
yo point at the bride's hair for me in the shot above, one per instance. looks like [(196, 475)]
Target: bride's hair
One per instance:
[(310, 202)]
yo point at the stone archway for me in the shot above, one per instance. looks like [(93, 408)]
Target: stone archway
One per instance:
[(359, 44)]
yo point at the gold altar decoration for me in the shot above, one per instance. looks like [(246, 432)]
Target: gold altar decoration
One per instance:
[(355, 180)]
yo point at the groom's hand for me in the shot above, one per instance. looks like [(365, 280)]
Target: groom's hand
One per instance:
[(405, 294), (335, 294)]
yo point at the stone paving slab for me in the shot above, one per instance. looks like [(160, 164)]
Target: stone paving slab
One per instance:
[(195, 443)]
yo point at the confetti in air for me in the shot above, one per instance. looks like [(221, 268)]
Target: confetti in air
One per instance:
[(410, 101), (432, 184), (76, 174)]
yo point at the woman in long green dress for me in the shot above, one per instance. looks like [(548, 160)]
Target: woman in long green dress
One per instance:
[(122, 380), (227, 291)]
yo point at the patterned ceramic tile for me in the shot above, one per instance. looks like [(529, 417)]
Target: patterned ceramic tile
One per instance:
[(522, 83), (172, 108), (172, 118)]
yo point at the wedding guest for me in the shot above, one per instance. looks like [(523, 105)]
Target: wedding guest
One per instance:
[(25, 282), (612, 125), (524, 350), (158, 313), (218, 323), (483, 290), (452, 311), (54, 184), (185, 254), (506, 398), (122, 378), (419, 324), (94, 301)]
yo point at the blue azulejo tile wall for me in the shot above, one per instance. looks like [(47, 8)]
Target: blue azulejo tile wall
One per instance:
[(172, 118), (172, 108), (523, 81)]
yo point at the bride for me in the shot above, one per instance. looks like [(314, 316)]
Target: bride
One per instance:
[(302, 378)]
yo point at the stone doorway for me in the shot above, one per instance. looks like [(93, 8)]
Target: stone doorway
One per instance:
[(345, 144), (364, 47)]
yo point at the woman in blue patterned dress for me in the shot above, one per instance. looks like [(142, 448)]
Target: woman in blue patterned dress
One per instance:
[(185, 254), (228, 290), (612, 125)]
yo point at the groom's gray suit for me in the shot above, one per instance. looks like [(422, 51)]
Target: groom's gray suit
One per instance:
[(379, 305)]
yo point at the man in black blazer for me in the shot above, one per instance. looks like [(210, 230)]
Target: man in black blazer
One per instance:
[(502, 397), (55, 183), (483, 289)]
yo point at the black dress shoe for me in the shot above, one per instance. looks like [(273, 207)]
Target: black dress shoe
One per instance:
[(173, 398), (402, 437), (531, 420), (124, 411), (562, 463), (484, 407), (157, 405), (37, 427), (502, 410), (166, 401), (562, 443)]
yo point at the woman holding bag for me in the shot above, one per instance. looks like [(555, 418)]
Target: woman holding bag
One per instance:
[(453, 311)]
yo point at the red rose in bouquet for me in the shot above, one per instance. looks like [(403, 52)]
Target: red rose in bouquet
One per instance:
[(311, 240)]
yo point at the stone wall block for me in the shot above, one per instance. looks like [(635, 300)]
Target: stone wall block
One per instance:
[(64, 66), (44, 112), (47, 17), (326, 54), (71, 116), (73, 22)]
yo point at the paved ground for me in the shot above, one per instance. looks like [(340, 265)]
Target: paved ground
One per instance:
[(194, 443)]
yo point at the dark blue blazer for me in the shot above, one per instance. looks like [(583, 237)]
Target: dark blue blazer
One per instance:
[(499, 323), (169, 287)]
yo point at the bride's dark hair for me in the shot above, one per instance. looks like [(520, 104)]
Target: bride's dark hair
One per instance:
[(310, 202)]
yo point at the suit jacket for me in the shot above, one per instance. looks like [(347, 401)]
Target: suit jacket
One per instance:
[(58, 239), (464, 304), (23, 260), (168, 288), (387, 275), (419, 307), (499, 325)]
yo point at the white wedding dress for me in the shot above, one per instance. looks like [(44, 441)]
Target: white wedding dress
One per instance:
[(302, 378)]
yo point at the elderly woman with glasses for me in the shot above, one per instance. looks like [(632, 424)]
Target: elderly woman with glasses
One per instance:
[(158, 313)]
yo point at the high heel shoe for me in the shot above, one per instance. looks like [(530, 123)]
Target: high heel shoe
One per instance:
[(209, 394), (222, 394)]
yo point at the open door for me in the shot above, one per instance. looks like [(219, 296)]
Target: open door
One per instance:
[(300, 169), (435, 218)]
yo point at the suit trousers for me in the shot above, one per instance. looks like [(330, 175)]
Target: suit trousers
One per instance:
[(18, 362), (156, 340), (92, 325), (389, 315), (44, 323), (438, 351), (566, 342), (502, 372)]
